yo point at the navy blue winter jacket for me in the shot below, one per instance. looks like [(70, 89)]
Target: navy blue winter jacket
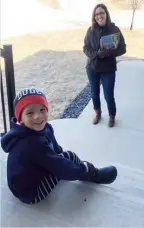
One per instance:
[(33, 154)]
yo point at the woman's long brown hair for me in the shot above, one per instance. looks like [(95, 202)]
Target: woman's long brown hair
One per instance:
[(108, 18)]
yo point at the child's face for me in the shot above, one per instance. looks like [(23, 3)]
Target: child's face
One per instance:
[(34, 116)]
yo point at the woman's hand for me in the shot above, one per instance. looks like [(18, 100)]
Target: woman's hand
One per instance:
[(111, 51), (102, 53)]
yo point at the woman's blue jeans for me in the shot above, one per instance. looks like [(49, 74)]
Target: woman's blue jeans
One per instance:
[(108, 82)]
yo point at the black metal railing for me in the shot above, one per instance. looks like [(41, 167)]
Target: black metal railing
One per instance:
[(7, 55)]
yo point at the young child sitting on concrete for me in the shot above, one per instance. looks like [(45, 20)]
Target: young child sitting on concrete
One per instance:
[(36, 163)]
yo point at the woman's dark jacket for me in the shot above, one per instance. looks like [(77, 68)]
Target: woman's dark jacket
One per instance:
[(92, 45)]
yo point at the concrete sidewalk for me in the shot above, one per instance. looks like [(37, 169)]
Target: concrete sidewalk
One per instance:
[(82, 204)]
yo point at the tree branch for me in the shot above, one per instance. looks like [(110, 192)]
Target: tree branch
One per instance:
[(139, 3), (136, 4), (133, 3)]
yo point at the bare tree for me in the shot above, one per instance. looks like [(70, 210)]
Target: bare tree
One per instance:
[(135, 4)]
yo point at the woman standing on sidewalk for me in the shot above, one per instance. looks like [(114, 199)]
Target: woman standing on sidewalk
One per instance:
[(101, 63)]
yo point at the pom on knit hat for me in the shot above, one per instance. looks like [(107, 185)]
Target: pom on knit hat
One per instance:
[(28, 96)]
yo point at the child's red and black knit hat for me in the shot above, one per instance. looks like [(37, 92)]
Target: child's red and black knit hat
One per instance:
[(28, 96)]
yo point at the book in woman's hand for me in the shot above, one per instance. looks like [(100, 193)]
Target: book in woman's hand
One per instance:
[(110, 41)]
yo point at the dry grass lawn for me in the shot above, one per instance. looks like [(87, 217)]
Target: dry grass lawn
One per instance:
[(69, 41)]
